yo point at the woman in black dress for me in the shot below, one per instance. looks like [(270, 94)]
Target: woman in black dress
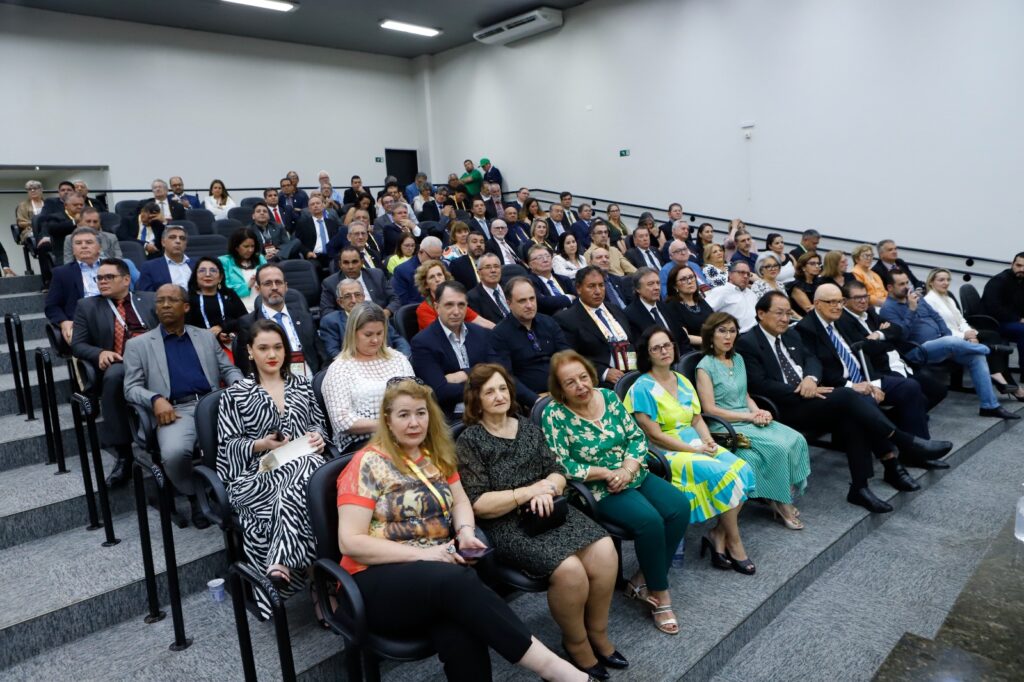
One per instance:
[(211, 305), (686, 304), (808, 279), (505, 464)]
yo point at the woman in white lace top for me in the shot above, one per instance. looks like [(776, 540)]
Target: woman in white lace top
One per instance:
[(355, 382)]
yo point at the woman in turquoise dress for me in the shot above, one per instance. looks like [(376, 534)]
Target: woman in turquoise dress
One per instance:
[(777, 454), (716, 481)]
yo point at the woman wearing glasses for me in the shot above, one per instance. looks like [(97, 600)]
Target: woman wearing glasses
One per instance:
[(685, 301), (806, 282), (211, 304), (767, 269)]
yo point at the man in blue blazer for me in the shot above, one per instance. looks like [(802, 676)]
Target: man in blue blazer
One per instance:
[(372, 283), (348, 294), (444, 352), (174, 267), (72, 281), (403, 279)]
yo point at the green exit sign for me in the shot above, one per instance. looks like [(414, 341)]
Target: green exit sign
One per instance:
[(379, 159), (623, 152)]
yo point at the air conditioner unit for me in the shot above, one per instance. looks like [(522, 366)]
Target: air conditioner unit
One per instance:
[(539, 20)]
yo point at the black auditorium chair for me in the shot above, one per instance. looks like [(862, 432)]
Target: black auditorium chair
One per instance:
[(127, 208), (202, 218), (408, 325), (431, 228), (301, 276), (133, 251), (110, 222), (512, 270), (226, 227), (249, 202), (213, 245), (349, 620), (242, 214), (190, 227)]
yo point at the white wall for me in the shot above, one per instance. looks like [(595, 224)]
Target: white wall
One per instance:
[(153, 102), (873, 117)]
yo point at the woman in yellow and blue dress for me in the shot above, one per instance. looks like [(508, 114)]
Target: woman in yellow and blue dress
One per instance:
[(717, 482)]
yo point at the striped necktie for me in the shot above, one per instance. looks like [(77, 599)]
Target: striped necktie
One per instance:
[(852, 370)]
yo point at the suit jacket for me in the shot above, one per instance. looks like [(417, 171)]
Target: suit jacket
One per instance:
[(581, 228), (306, 229), (816, 342), (312, 345), (640, 319), (492, 247), (332, 333), (462, 270), (876, 350), (188, 200), (586, 338), (491, 212), (376, 283), (55, 225), (431, 212), (483, 303), (65, 291), (403, 281), (475, 226), (547, 302), (275, 234), (146, 374), (155, 273), (129, 232), (433, 358), (94, 324), (883, 272), (623, 287), (637, 259), (555, 230), (52, 205), (764, 375)]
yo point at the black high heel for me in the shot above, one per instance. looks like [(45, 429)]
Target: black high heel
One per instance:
[(596, 671), (718, 560), (746, 566)]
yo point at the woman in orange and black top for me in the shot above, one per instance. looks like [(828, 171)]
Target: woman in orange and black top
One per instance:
[(400, 504)]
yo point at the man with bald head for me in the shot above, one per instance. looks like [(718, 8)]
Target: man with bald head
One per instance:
[(679, 254)]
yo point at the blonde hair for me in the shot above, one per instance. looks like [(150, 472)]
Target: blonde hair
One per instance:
[(861, 249), (932, 275), (709, 249), (362, 315), (830, 264), (420, 278), (437, 445)]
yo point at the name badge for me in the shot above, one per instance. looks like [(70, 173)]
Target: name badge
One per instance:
[(297, 365)]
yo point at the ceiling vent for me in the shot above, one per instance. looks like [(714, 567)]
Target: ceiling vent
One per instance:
[(504, 32)]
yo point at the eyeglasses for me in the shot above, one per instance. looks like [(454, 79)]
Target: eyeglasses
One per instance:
[(107, 278), (685, 279), (661, 348), (862, 297), (533, 341), (271, 283), (394, 381), (770, 266), (833, 302), (207, 271)]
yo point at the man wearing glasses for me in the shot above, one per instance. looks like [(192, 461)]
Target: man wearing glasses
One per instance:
[(487, 298), (735, 297), (554, 292)]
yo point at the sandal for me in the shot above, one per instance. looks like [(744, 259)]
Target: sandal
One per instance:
[(639, 593), (793, 523), (318, 611), (669, 625), (279, 577)]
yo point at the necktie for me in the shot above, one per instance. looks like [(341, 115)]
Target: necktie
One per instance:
[(554, 287), (614, 295), (277, 217), (657, 316), (501, 304), (852, 369), (604, 320), (787, 368), (368, 260), (119, 329), (650, 259), (507, 255), (163, 208), (323, 234), (145, 234)]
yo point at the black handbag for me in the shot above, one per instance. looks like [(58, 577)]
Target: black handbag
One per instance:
[(532, 524)]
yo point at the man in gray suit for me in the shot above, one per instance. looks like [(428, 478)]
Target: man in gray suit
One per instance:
[(200, 366), (109, 246), (102, 326), (375, 285)]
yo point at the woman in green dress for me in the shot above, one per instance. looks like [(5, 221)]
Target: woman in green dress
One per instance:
[(598, 443), (716, 482), (777, 454)]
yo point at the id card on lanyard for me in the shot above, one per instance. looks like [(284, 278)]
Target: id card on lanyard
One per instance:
[(202, 309), (121, 320), (297, 365)]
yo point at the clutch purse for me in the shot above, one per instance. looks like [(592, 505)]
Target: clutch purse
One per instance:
[(729, 442), (532, 524)]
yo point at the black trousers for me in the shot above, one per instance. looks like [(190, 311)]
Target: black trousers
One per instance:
[(853, 419), (462, 616), (909, 405), (115, 408)]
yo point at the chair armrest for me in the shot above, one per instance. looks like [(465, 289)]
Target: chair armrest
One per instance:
[(726, 426), (983, 322), (260, 582), (213, 500), (143, 427), (766, 403), (349, 620), (661, 467), (584, 498)]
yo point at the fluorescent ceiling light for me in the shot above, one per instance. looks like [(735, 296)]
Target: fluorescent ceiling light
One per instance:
[(276, 5), (409, 28)]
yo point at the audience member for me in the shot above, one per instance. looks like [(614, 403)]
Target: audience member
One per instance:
[(212, 305), (775, 245), (472, 178), (102, 326), (642, 255), (509, 474), (399, 223), (937, 344), (686, 305), (499, 244), (219, 202), (478, 221), (422, 198), (429, 276), (567, 258), (82, 190), (835, 268), (240, 264), (617, 230), (463, 268), (596, 330), (809, 241), (716, 270), (359, 238), (1003, 299), (146, 229), (487, 297), (354, 189), (647, 220), (291, 199), (889, 259), (581, 228), (618, 264), (767, 270), (300, 194), (170, 397), (598, 443), (806, 281), (735, 297), (491, 173), (647, 309), (679, 254), (374, 284), (403, 279), (54, 228), (179, 194), (278, 213), (257, 415), (525, 340), (324, 178), (565, 200), (554, 292), (349, 293), (270, 235), (405, 250), (777, 455), (438, 207), (557, 220), (28, 209), (705, 237), (167, 207), (863, 256), (745, 250), (680, 231), (540, 235), (493, 204), (669, 227), (443, 353), (109, 246), (522, 194), (363, 208), (618, 290), (517, 230), (73, 281), (458, 235), (174, 267), (315, 230)]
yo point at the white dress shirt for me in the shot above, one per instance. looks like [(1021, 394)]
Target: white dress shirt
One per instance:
[(180, 272), (739, 303)]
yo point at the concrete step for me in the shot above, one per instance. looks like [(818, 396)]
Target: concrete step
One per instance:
[(23, 284), (9, 399), (33, 327), (23, 442), (23, 303), (30, 355)]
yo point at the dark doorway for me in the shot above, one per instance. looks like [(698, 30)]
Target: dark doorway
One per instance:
[(402, 164)]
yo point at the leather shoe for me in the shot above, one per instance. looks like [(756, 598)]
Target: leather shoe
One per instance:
[(919, 463), (897, 476), (999, 412), (199, 519), (612, 660), (863, 497), (596, 671), (928, 449), (120, 475)]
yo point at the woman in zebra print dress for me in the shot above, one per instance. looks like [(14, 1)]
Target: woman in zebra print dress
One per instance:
[(257, 415)]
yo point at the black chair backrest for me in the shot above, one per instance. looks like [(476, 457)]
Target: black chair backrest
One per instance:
[(970, 301), (512, 270), (213, 245), (190, 227), (537, 412), (133, 251), (318, 384), (225, 227), (207, 411), (301, 277), (431, 228), (110, 222), (623, 385), (456, 429), (408, 326), (687, 365), (242, 214), (249, 202), (202, 218), (322, 502), (127, 208)]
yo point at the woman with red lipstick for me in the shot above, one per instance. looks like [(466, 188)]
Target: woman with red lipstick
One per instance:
[(258, 415)]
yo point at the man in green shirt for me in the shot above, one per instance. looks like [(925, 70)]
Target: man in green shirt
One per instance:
[(472, 178)]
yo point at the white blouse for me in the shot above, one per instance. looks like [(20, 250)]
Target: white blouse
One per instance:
[(353, 389), (951, 315), (219, 212), (566, 268)]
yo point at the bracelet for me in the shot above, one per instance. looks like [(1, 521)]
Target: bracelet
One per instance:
[(514, 499), (465, 525)]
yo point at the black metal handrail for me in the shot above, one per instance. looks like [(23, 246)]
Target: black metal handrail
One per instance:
[(241, 571), (19, 366), (48, 406), (83, 413)]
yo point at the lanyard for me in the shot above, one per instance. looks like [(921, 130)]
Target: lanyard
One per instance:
[(120, 319), (202, 308), (426, 481)]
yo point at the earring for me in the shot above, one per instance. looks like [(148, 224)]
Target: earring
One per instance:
[(250, 356)]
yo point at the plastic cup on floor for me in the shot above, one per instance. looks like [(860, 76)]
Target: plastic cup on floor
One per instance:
[(216, 587)]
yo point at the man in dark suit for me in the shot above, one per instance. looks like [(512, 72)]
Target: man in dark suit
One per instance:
[(675, 214), (168, 207), (178, 194), (487, 298), (521, 196), (291, 199), (581, 228), (403, 279), (374, 284), (518, 232), (463, 268), (315, 230), (72, 281), (103, 325), (56, 204), (146, 228), (554, 292), (494, 206), (444, 352), (478, 221), (270, 234), (1003, 299), (598, 331), (889, 259), (82, 190), (558, 223), (823, 337), (359, 238), (648, 309), (348, 294), (565, 200), (642, 255), (398, 224), (439, 206), (781, 369), (500, 245), (354, 190), (525, 340), (53, 229), (173, 268), (291, 314), (278, 215), (809, 241), (618, 290)]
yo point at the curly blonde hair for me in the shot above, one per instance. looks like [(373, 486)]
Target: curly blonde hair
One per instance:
[(420, 278)]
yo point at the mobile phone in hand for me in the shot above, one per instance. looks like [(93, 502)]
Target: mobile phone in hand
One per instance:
[(474, 553)]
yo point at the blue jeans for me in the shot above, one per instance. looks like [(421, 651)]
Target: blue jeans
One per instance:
[(970, 355), (1014, 331)]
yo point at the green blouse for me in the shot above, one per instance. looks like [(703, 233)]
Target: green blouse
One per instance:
[(606, 442)]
